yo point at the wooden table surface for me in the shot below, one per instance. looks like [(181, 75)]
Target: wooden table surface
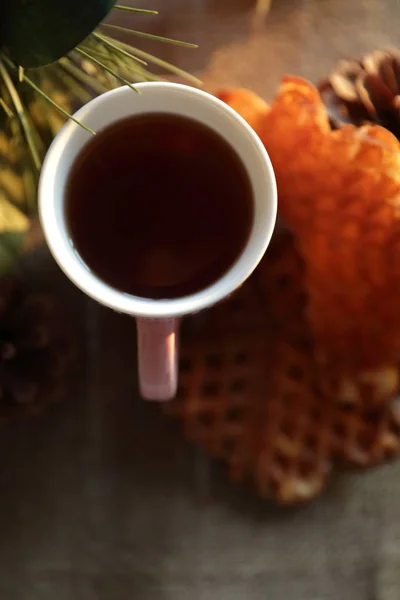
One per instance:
[(101, 498)]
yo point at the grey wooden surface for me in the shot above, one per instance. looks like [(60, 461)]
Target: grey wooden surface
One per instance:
[(101, 498)]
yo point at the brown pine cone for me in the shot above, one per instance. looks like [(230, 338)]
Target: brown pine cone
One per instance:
[(365, 91), (34, 350)]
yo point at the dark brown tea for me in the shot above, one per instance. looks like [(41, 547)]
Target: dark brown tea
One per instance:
[(159, 206)]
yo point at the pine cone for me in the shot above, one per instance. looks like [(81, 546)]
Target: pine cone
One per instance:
[(365, 91), (34, 350)]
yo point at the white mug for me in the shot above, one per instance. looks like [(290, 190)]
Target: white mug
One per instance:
[(157, 320)]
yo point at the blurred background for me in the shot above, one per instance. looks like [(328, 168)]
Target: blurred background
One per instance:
[(102, 499), (243, 46)]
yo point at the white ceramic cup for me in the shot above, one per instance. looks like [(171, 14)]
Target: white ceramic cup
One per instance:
[(157, 320)]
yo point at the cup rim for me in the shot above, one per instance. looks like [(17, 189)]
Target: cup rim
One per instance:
[(77, 271)]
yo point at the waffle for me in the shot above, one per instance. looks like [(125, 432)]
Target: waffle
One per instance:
[(339, 195), (249, 391)]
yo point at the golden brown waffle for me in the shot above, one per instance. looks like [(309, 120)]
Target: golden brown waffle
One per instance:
[(249, 394), (339, 195)]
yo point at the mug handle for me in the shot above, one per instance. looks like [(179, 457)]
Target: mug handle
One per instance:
[(158, 347)]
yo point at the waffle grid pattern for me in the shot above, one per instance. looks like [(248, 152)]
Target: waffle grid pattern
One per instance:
[(249, 392)]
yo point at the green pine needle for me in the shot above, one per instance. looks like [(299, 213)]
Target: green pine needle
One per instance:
[(118, 55), (6, 109), (80, 75), (143, 11), (151, 36), (106, 68), (112, 44), (55, 105), (164, 64), (21, 113)]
